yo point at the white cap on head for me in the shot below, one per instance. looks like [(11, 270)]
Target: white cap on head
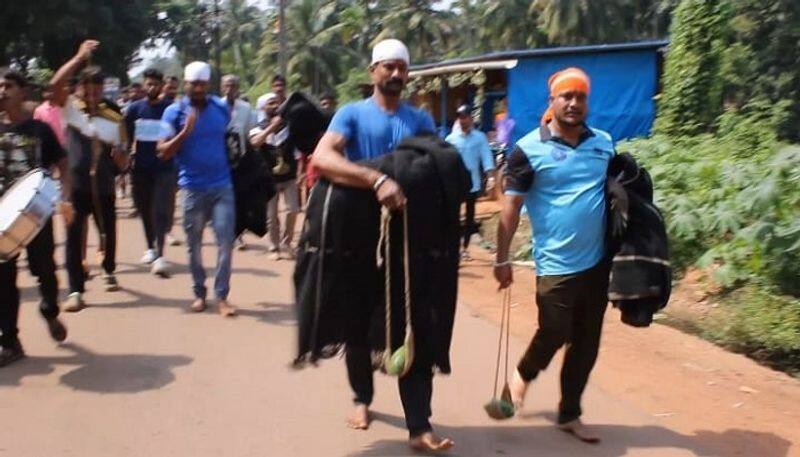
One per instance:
[(264, 99), (390, 49), (197, 71)]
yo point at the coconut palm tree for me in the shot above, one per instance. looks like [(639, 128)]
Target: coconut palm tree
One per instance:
[(510, 24), (427, 31), (316, 51), (580, 21), (241, 28)]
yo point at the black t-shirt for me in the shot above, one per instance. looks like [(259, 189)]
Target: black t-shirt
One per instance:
[(25, 146), (280, 159)]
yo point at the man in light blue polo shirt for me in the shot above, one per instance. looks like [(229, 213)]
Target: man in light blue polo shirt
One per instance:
[(559, 172), (195, 128), (474, 149)]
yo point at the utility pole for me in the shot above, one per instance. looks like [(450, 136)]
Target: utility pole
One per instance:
[(217, 46), (282, 36)]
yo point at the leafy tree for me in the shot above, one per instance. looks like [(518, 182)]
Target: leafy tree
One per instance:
[(426, 31), (689, 103), (241, 29), (187, 25), (508, 24), (579, 21), (316, 51), (761, 60), (51, 31)]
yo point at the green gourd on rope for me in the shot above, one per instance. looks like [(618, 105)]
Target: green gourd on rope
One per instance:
[(397, 362), (502, 407)]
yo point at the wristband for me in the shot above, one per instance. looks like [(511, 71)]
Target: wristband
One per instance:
[(378, 182), (502, 264)]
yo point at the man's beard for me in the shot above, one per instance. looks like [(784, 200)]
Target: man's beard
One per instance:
[(569, 122), (198, 98), (392, 87)]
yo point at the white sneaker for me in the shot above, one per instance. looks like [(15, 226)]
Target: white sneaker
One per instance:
[(74, 303), (160, 267), (172, 241), (149, 257)]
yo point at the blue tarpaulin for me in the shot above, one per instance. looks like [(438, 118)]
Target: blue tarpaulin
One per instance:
[(622, 87)]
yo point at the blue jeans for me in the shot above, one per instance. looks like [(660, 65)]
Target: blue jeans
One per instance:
[(199, 207)]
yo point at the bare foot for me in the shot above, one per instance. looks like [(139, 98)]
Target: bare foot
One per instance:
[(226, 309), (518, 387), (580, 430), (428, 442), (360, 418), (198, 305)]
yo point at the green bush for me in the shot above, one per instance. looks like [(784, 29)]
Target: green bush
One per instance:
[(761, 324), (731, 201), (732, 206)]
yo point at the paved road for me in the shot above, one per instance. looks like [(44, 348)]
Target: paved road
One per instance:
[(139, 376)]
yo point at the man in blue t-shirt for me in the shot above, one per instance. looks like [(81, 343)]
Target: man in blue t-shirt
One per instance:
[(194, 133), (475, 152), (559, 172), (364, 130), (152, 179)]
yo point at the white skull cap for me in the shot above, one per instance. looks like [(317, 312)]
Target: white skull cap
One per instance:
[(197, 71), (264, 99), (390, 49)]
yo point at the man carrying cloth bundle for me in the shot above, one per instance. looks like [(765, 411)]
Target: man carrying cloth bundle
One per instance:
[(365, 130), (559, 172)]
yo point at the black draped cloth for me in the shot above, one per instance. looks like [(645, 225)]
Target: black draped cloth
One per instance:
[(253, 188), (337, 280)]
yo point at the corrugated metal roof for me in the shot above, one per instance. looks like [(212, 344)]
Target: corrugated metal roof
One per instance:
[(529, 53), (467, 66)]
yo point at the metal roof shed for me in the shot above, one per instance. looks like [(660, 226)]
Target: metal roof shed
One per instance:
[(624, 81)]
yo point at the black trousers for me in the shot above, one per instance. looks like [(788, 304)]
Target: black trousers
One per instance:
[(153, 195), (41, 264), (571, 309), (470, 227), (416, 387), (106, 218)]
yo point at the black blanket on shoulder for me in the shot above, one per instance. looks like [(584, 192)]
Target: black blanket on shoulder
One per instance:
[(337, 280)]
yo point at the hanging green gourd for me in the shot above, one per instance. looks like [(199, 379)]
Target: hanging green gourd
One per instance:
[(502, 407), (397, 362)]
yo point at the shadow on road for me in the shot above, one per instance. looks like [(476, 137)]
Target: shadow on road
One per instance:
[(272, 313), (618, 440), (103, 373)]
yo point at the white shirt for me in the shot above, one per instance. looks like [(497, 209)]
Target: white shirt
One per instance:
[(242, 120)]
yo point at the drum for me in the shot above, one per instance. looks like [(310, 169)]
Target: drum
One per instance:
[(24, 211)]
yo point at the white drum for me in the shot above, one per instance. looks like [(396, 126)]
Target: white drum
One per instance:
[(24, 211)]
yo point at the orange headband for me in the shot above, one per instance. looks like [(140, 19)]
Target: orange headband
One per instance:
[(570, 79)]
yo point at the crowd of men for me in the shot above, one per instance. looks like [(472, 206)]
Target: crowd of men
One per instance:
[(165, 142)]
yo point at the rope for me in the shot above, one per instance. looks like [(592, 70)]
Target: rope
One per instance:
[(505, 321), (406, 273), (508, 327), (384, 258)]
